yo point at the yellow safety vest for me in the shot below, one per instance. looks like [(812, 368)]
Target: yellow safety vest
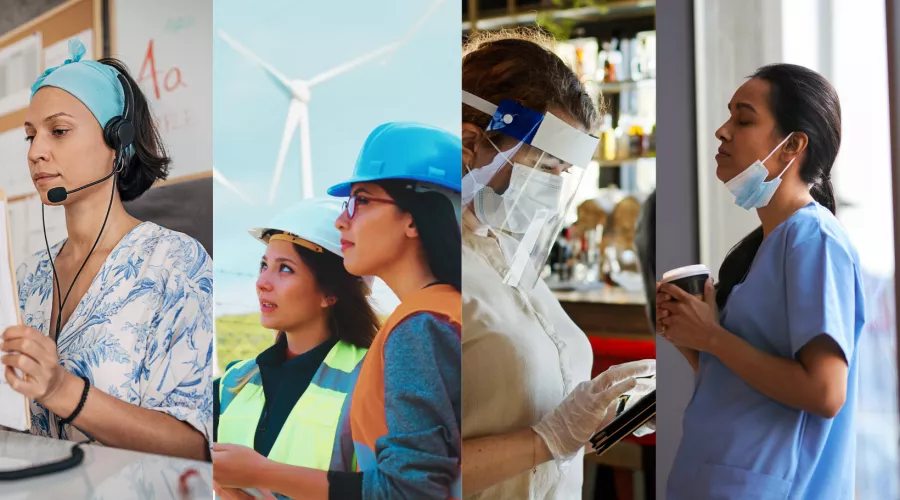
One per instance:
[(316, 434)]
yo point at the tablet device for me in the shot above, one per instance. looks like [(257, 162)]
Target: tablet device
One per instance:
[(625, 424)]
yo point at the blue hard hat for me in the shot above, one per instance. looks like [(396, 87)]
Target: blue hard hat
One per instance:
[(407, 150)]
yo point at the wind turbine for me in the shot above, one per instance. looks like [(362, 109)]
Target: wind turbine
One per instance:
[(221, 179), (300, 93)]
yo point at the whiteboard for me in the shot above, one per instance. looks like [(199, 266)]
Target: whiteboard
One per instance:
[(167, 46)]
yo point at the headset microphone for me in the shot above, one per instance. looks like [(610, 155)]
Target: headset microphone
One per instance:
[(59, 194)]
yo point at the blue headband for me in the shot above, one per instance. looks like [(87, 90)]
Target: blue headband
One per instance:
[(94, 84)]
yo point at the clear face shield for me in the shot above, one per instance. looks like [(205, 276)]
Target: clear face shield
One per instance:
[(524, 193)]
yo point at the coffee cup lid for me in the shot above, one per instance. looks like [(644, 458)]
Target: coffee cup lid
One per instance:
[(684, 272)]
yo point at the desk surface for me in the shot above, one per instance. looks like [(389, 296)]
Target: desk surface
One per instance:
[(105, 472)]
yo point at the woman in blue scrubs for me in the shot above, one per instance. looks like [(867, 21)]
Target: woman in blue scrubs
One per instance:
[(774, 342)]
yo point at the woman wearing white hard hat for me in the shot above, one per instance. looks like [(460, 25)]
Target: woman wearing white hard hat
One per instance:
[(530, 406), (400, 224), (290, 405)]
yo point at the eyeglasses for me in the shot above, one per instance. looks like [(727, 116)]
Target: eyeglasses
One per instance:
[(351, 203)]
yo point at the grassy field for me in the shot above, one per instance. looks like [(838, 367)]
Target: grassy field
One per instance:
[(240, 337)]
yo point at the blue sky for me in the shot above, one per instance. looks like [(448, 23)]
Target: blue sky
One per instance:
[(420, 82)]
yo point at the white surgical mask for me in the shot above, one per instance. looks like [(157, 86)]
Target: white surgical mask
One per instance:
[(476, 179), (530, 191), (750, 188)]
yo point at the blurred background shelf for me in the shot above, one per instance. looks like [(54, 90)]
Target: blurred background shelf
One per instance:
[(622, 161), (616, 87), (486, 15)]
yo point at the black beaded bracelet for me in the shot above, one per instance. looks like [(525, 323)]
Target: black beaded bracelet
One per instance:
[(87, 386)]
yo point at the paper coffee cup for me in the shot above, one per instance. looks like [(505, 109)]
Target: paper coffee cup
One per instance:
[(691, 279)]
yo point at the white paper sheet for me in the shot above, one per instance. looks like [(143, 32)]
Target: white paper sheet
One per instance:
[(57, 53), (13, 406), (20, 65), (15, 179)]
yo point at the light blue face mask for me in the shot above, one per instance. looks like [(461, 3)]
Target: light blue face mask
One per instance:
[(750, 188)]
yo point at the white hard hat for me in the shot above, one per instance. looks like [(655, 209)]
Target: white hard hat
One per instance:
[(310, 224)]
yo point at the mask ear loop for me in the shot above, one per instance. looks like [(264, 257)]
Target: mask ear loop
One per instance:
[(777, 147), (476, 179), (786, 167)]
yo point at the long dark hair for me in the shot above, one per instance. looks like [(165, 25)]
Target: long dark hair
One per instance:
[(801, 101), (352, 318), (438, 228), (150, 162)]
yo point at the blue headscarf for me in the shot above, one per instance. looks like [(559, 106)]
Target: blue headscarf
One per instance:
[(93, 83)]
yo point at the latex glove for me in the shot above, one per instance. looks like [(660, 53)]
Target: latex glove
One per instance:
[(570, 425), (644, 386), (648, 428)]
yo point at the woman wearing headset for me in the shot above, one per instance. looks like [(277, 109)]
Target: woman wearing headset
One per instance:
[(298, 390), (774, 343), (117, 327), (530, 406), (401, 225)]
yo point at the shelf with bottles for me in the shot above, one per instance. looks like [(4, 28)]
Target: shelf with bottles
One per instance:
[(615, 63), (497, 14), (634, 138)]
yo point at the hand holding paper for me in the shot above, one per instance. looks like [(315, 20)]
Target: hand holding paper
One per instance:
[(32, 364), (13, 406)]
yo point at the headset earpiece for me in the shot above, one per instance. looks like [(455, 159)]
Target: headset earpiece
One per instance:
[(119, 131)]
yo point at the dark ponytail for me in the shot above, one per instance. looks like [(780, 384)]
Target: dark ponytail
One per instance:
[(823, 192), (439, 231), (150, 162), (801, 100)]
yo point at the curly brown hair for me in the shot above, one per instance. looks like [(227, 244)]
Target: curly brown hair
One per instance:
[(520, 64)]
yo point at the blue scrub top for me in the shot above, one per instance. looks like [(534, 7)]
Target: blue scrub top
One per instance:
[(738, 443)]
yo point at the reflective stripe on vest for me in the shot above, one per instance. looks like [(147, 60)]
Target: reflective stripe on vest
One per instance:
[(316, 434)]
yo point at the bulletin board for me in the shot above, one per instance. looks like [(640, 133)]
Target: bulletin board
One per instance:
[(25, 53)]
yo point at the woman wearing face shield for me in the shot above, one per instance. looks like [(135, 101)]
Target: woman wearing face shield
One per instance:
[(529, 407), (774, 343), (117, 329)]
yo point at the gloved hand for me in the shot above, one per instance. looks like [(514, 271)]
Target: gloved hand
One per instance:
[(648, 428), (644, 386), (570, 425)]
